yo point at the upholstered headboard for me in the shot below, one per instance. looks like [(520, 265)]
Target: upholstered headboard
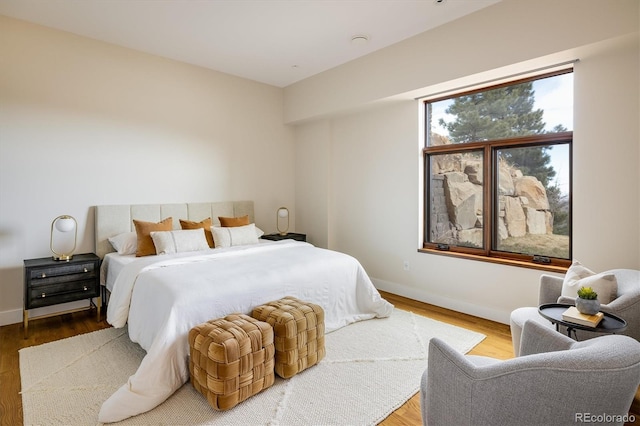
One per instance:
[(111, 220)]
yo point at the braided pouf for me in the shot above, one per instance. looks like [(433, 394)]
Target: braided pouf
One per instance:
[(299, 333), (232, 359)]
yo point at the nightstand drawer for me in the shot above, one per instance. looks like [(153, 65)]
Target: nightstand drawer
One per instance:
[(52, 294), (50, 273)]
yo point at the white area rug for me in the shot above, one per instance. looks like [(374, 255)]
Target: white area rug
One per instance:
[(371, 368)]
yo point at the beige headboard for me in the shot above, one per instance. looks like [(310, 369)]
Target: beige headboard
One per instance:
[(112, 220)]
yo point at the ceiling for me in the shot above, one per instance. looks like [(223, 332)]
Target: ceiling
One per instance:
[(277, 42)]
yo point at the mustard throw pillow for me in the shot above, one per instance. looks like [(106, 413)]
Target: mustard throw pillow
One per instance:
[(228, 222), (205, 224), (143, 233)]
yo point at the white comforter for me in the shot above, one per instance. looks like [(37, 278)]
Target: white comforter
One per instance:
[(163, 297)]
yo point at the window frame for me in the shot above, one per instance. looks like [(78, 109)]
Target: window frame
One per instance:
[(490, 197)]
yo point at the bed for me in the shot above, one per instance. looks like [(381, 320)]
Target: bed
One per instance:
[(161, 297)]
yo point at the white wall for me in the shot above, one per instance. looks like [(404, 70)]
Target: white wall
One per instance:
[(86, 123), (312, 153), (374, 156)]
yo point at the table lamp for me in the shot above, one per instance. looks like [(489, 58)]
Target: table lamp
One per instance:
[(283, 213), (64, 224)]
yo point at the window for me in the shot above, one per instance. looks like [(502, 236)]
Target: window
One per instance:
[(497, 167)]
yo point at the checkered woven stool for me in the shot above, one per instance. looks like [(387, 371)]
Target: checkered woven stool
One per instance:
[(299, 333), (232, 359)]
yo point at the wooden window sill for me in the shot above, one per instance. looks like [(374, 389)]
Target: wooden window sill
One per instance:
[(510, 262)]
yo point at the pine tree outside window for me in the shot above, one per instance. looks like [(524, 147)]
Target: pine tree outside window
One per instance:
[(497, 167)]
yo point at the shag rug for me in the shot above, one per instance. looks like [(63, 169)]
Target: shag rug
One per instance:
[(371, 368)]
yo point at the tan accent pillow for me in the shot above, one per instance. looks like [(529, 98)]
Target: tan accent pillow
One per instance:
[(234, 221), (204, 223), (143, 232)]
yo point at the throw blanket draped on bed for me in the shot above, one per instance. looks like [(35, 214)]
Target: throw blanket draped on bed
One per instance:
[(163, 297)]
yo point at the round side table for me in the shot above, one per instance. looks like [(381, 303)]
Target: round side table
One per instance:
[(610, 324)]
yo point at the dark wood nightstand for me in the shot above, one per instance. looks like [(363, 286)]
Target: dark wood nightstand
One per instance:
[(50, 282), (287, 236)]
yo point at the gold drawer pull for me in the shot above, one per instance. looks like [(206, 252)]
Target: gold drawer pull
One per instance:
[(85, 269), (84, 288), (44, 295), (43, 275)]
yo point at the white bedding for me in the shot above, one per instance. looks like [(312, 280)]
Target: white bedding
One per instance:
[(111, 267), (163, 297)]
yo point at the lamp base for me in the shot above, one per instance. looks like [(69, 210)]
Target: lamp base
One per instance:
[(63, 257)]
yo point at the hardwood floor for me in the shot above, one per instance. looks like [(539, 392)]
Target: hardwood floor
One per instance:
[(40, 331), (497, 345)]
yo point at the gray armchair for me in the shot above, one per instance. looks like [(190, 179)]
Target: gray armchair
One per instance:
[(556, 380), (626, 305)]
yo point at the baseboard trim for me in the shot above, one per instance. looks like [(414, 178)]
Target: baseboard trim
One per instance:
[(444, 302), (10, 317), (14, 316)]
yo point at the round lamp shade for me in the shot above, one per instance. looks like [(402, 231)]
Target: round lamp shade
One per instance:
[(282, 213), (65, 224)]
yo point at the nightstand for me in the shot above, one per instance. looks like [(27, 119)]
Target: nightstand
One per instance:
[(50, 282), (288, 236)]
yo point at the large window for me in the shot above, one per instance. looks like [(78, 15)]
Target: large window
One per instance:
[(497, 167)]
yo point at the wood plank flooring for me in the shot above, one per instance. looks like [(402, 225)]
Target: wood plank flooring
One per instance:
[(497, 345), (40, 331)]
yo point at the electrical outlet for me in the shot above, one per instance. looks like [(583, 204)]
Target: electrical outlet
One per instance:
[(405, 265)]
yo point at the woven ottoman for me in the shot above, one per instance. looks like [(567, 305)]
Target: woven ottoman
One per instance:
[(298, 333), (232, 359)]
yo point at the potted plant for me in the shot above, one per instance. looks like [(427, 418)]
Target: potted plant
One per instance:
[(587, 301)]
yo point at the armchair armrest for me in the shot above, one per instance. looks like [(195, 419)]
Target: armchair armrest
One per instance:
[(623, 302), (617, 306), (627, 306), (550, 289), (446, 387), (567, 300), (537, 339)]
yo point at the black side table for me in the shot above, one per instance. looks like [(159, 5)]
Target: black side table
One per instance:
[(50, 282), (287, 236), (610, 324)]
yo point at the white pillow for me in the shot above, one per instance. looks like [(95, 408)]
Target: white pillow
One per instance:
[(179, 241), (234, 236), (125, 243), (577, 276)]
